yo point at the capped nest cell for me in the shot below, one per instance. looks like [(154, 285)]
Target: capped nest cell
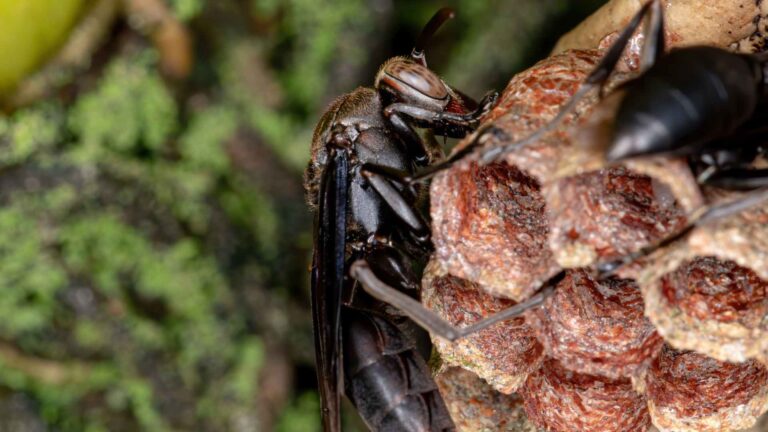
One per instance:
[(596, 327), (489, 227), (476, 406), (709, 291), (503, 354), (692, 392), (559, 399)]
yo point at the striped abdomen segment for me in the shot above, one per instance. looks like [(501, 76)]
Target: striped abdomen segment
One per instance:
[(387, 380)]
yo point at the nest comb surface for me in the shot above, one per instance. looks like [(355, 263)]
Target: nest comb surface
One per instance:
[(485, 220)]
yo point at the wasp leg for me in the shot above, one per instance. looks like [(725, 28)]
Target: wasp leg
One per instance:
[(389, 265), (739, 178), (701, 217), (457, 125), (414, 145), (653, 45), (652, 49), (729, 166), (478, 141), (380, 178), (729, 208), (720, 165), (428, 319)]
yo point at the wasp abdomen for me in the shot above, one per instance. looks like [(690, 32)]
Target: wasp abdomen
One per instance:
[(387, 380), (688, 97)]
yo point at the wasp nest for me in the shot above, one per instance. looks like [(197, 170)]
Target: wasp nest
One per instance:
[(679, 340)]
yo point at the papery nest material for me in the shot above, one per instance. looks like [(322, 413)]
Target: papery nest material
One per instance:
[(476, 406), (503, 354), (558, 399), (596, 326), (708, 292), (690, 392)]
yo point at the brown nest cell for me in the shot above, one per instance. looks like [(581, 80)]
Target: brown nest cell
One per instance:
[(596, 327), (476, 406), (709, 291), (605, 214), (489, 226), (561, 400), (503, 354), (688, 391), (713, 306)]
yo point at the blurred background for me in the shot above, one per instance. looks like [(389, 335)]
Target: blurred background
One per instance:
[(154, 241)]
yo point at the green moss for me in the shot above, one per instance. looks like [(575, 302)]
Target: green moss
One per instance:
[(187, 9), (29, 277), (264, 7), (244, 377), (130, 112), (202, 144), (250, 208), (317, 28), (284, 135), (117, 256), (181, 188), (303, 415), (90, 334), (140, 396), (29, 132), (104, 249), (148, 334)]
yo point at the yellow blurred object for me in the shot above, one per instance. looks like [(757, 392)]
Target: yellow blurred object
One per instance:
[(30, 31)]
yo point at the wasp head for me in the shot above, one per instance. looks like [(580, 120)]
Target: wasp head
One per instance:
[(404, 80)]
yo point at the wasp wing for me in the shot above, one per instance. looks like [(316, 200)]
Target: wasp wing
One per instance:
[(328, 273)]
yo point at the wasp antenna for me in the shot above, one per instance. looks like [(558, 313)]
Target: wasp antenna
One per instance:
[(437, 20)]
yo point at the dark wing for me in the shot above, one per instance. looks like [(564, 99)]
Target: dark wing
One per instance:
[(327, 282)]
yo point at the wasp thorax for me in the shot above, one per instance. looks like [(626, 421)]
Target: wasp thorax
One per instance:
[(410, 82)]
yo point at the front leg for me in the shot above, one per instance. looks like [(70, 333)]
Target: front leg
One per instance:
[(739, 178), (455, 125), (477, 142), (415, 146)]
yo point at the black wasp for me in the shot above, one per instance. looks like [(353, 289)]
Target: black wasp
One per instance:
[(369, 233)]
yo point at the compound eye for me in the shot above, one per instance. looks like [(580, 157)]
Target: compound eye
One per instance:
[(419, 78)]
